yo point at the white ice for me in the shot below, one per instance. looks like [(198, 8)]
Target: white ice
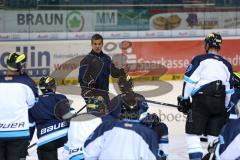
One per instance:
[(169, 115)]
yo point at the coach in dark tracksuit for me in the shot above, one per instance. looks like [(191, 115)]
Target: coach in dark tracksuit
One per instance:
[(208, 81), (51, 132), (94, 71)]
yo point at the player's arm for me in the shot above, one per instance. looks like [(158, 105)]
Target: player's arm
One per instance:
[(191, 78), (118, 72), (32, 123)]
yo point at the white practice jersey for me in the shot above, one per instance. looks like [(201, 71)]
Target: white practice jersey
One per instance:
[(205, 69), (121, 140), (78, 132), (16, 97)]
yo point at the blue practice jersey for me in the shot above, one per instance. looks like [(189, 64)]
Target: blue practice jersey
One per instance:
[(231, 107), (41, 116), (229, 146)]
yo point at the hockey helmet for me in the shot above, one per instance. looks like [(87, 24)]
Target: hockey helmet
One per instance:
[(213, 40), (125, 83), (130, 108), (16, 61), (236, 80), (47, 84)]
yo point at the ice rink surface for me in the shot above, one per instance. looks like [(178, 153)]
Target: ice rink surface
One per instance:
[(168, 92)]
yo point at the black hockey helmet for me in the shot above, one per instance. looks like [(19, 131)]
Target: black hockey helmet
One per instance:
[(213, 40), (236, 80), (130, 108), (16, 61), (47, 84), (125, 83)]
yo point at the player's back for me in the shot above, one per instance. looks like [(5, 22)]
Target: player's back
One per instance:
[(122, 140), (16, 96), (49, 128)]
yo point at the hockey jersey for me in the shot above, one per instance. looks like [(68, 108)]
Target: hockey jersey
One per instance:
[(78, 133), (207, 68), (17, 95), (97, 67), (229, 146), (231, 107), (41, 116), (125, 139)]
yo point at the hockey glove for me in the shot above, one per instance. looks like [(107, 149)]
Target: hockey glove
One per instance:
[(184, 105), (151, 120), (96, 104)]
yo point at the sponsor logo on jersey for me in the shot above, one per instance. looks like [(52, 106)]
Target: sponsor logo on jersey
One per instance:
[(12, 125), (53, 128)]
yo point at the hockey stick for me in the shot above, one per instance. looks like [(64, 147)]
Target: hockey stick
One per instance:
[(162, 103), (32, 145)]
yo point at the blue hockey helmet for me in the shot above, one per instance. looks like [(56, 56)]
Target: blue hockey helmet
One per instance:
[(16, 61), (47, 84)]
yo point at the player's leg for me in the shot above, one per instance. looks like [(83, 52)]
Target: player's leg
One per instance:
[(17, 149), (2, 149), (195, 126), (49, 151), (217, 118)]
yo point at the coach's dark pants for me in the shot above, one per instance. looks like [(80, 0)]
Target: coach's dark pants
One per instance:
[(14, 149)]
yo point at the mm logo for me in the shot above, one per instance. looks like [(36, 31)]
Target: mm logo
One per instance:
[(106, 17), (74, 21)]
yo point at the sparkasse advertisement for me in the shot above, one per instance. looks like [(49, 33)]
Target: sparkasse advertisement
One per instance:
[(146, 57)]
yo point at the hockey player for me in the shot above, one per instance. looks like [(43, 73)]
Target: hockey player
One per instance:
[(125, 85), (17, 95), (235, 96), (51, 132), (126, 138), (79, 129), (208, 81), (233, 101), (227, 146), (95, 69)]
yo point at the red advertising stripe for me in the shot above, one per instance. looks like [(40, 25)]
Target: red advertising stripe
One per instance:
[(176, 55)]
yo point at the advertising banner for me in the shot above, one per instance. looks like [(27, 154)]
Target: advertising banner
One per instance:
[(145, 57), (194, 20)]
